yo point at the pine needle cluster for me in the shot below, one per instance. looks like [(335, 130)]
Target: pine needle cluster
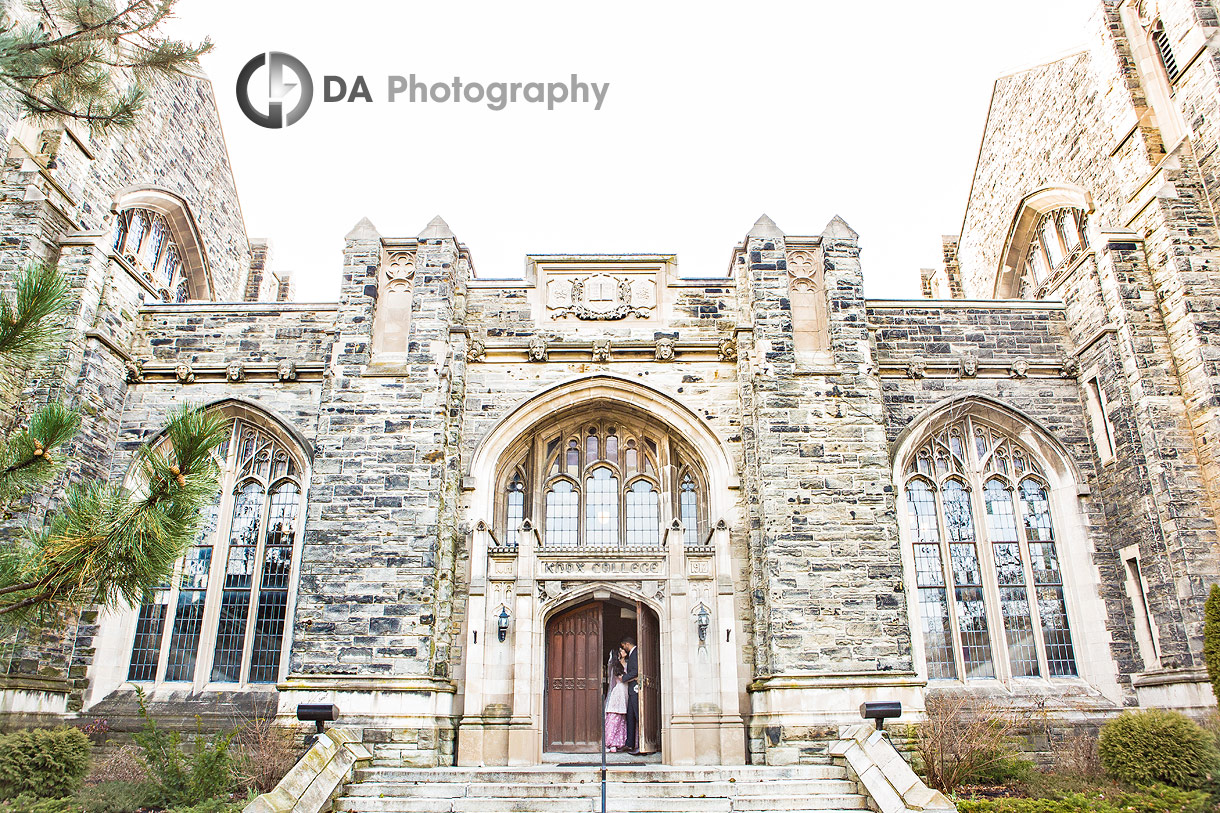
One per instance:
[(90, 60), (102, 543)]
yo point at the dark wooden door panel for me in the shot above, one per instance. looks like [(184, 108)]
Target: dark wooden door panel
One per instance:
[(574, 681), (650, 679)]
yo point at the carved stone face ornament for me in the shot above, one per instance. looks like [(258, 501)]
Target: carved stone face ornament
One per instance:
[(286, 370), (538, 349), (235, 371), (665, 349), (601, 350), (184, 373)]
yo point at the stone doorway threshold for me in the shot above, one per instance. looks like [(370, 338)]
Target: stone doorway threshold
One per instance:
[(595, 760)]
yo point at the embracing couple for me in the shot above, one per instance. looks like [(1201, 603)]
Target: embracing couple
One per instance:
[(623, 698)]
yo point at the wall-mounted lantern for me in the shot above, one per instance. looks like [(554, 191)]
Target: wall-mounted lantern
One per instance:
[(502, 624), (702, 621)]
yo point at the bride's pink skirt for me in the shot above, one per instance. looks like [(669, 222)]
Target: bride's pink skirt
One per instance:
[(616, 730)]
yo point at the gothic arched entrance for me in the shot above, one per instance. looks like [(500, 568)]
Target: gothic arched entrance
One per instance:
[(579, 643), (596, 506)]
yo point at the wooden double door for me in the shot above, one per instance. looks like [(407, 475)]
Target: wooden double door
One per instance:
[(578, 645)]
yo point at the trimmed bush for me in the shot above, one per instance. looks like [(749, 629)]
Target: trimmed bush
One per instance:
[(1211, 638), (1147, 747), (45, 763), (1159, 799)]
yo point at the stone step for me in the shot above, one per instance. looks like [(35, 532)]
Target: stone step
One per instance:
[(550, 774), (780, 804), (656, 789)]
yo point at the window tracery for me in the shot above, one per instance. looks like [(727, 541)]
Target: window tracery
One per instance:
[(603, 482), (144, 239), (226, 624), (987, 576)]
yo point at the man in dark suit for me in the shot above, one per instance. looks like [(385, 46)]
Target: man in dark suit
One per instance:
[(631, 677)]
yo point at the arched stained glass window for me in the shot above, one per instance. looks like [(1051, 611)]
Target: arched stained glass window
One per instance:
[(602, 479), (252, 530), (143, 238), (1008, 614)]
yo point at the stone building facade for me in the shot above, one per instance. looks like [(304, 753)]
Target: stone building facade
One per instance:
[(446, 498)]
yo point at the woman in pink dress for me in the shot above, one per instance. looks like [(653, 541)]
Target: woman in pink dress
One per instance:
[(616, 705)]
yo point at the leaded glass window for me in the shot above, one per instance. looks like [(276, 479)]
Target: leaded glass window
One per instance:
[(223, 617), (601, 481), (144, 239), (966, 487), (1058, 241)]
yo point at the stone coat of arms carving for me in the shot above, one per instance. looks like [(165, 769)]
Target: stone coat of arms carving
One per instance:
[(600, 297)]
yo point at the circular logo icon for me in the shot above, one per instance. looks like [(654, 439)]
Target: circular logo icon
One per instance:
[(277, 92)]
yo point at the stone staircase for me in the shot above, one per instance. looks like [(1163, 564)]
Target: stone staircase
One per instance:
[(630, 789)]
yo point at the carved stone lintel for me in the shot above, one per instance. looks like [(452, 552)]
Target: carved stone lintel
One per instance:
[(665, 349), (235, 371), (538, 349), (601, 350), (184, 373), (135, 371), (1019, 369), (968, 365), (917, 368), (477, 351), (286, 370), (727, 350), (1069, 367)]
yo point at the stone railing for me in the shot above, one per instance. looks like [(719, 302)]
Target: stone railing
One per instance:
[(318, 777), (885, 776)]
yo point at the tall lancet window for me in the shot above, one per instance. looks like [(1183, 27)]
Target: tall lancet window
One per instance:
[(222, 617), (987, 579)]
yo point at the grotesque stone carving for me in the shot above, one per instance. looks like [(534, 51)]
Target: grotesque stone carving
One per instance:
[(477, 351), (1069, 367), (601, 350), (917, 368), (235, 371), (538, 349), (727, 350), (286, 370), (1019, 368), (135, 371), (665, 349), (184, 373), (969, 365)]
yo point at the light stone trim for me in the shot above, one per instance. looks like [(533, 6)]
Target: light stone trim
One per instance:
[(312, 785), (885, 776), (964, 304), (252, 371)]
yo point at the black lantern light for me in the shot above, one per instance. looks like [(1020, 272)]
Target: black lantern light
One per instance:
[(702, 621), (502, 624)]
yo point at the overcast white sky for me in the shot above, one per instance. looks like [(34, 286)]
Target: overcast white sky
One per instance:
[(716, 113)]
